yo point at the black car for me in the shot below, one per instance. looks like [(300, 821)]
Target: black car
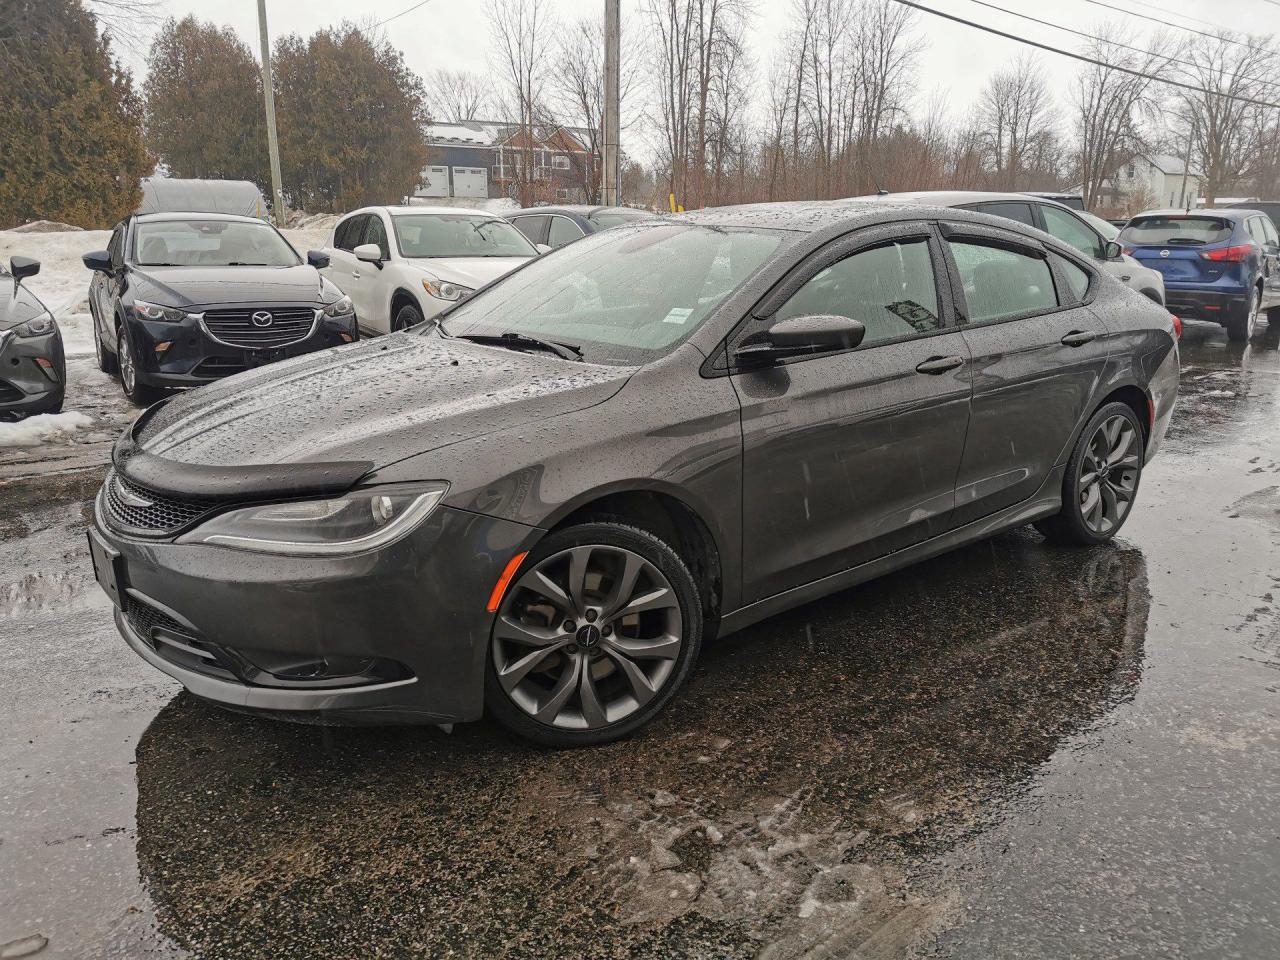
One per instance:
[(556, 226), (182, 299), (1270, 207), (33, 371)]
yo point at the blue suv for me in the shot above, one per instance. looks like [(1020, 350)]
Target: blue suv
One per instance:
[(1220, 265)]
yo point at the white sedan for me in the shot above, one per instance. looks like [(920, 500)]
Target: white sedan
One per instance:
[(403, 265)]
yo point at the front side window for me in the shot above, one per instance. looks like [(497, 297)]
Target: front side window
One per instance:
[(376, 233), (460, 235), (211, 243), (890, 289), (563, 231), (624, 297), (1069, 229), (532, 227), (1000, 283)]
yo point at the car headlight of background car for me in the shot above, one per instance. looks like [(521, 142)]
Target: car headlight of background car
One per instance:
[(157, 311), (339, 308), (444, 289), (40, 326), (353, 523)]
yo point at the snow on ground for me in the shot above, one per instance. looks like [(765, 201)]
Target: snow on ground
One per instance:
[(42, 428)]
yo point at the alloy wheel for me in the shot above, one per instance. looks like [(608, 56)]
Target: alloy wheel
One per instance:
[(1109, 474), (587, 637), (128, 371)]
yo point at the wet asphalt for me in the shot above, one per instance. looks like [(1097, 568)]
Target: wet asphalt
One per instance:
[(1013, 750)]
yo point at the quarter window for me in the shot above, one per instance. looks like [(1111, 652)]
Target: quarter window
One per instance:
[(1069, 229), (1077, 277), (1000, 284), (889, 288)]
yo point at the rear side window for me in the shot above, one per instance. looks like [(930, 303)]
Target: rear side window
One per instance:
[(1257, 231), (1009, 209), (563, 230), (1077, 277), (889, 288), (1000, 284), (1070, 229), (1269, 229), (348, 234), (1168, 231)]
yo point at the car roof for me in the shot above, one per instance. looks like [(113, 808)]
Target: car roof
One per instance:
[(435, 211), (178, 215), (955, 198), (812, 216), (1224, 213), (576, 209)]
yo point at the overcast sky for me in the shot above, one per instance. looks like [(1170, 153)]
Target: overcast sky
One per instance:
[(956, 63)]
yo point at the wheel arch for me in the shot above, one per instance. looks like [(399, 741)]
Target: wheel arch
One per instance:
[(401, 296), (1136, 399)]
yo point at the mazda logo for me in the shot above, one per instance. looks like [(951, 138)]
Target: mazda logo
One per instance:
[(262, 319)]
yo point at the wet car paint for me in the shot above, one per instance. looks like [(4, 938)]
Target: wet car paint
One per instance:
[(1011, 750)]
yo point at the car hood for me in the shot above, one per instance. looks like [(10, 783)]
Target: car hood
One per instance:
[(473, 272), (16, 306), (377, 400), (199, 286)]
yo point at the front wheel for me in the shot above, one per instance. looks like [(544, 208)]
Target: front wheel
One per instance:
[(593, 638), (1101, 481), (406, 317), (130, 382)]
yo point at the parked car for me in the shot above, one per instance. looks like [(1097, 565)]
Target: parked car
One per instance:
[(1073, 200), (554, 227), (1068, 225), (1219, 265), (666, 430), (403, 265), (33, 370), (1270, 207), (184, 299)]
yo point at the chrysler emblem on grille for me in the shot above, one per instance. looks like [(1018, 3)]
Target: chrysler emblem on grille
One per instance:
[(131, 499), (262, 319)]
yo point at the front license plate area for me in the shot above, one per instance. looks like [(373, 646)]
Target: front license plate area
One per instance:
[(108, 567), (259, 358)]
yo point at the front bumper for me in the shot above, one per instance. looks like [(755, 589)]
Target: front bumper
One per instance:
[(26, 385), (217, 619), (187, 354)]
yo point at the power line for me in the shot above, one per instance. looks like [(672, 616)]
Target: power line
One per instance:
[(1176, 26), (1115, 43), (397, 16), (1083, 58)]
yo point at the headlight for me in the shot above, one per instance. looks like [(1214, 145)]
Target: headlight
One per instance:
[(322, 528), (444, 290), (339, 308), (36, 327), (155, 311)]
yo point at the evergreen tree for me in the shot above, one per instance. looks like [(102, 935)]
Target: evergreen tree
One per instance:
[(203, 93), (71, 145), (351, 120)]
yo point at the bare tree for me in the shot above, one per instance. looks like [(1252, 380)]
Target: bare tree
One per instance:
[(522, 31), (1015, 111), (458, 95)]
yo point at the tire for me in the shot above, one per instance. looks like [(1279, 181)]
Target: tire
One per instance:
[(406, 317), (1084, 520), (135, 391), (1240, 326), (106, 359), (542, 637)]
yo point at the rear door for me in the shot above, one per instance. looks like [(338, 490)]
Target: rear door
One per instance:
[(852, 455), (1263, 233), (1038, 355), (104, 288)]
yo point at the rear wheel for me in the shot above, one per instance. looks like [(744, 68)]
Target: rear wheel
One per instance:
[(1101, 481), (594, 637), (106, 359), (1240, 325)]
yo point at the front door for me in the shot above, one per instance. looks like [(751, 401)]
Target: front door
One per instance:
[(849, 456), (1038, 356)]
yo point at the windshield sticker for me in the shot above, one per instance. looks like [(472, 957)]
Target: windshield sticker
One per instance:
[(678, 315)]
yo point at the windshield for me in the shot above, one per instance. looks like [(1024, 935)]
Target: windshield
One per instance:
[(211, 243), (445, 235), (1173, 230), (625, 297), (611, 218), (1108, 230)]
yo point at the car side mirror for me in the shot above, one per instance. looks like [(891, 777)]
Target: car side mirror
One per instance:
[(1112, 250), (543, 248), (369, 253), (801, 336), (318, 259), (23, 267), (98, 261)]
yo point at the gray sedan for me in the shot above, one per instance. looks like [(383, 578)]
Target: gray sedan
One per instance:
[(543, 506)]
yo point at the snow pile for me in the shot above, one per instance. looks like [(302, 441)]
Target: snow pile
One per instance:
[(63, 281), (45, 226), (317, 221), (42, 428)]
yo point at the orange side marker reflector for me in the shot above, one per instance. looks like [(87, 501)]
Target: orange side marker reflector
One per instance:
[(504, 581)]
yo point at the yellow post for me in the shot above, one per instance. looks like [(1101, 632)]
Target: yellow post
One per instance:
[(671, 199)]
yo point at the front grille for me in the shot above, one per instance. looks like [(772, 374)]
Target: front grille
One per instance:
[(134, 509), (176, 643), (145, 619), (9, 393), (236, 327)]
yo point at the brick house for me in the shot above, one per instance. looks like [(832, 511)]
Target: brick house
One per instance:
[(485, 159)]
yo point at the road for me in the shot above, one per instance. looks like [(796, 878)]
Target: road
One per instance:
[(1010, 751)]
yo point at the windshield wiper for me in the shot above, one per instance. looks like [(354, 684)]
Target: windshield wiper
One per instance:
[(518, 341)]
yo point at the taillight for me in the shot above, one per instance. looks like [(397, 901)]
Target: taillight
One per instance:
[(1236, 254), (1129, 251), (1177, 326)]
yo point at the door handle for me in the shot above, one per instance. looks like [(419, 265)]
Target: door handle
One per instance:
[(936, 365), (1078, 338), (354, 275), (1126, 278)]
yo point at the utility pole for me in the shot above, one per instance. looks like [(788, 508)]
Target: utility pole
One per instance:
[(1186, 167), (612, 42), (273, 146)]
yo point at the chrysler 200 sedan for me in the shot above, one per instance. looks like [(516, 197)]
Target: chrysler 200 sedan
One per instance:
[(543, 505)]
